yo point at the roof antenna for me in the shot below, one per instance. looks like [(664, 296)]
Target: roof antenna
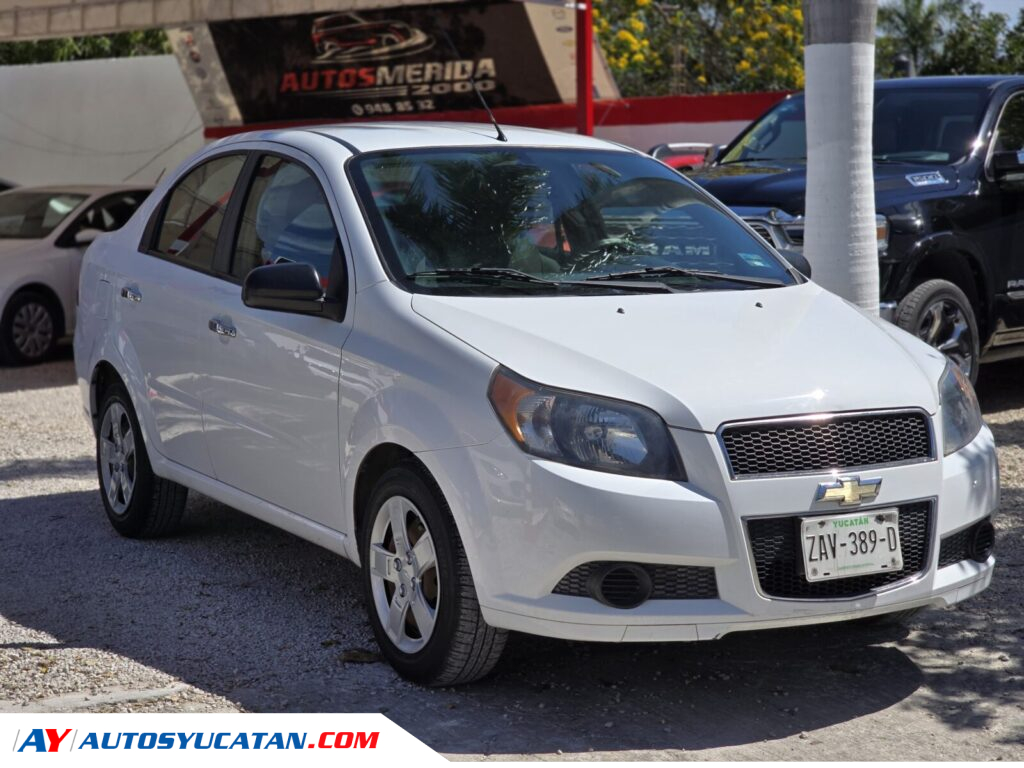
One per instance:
[(476, 90)]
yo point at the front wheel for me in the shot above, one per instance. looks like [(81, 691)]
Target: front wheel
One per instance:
[(939, 313), (418, 588)]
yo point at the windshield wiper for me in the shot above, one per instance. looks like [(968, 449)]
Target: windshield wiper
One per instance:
[(764, 282), (507, 273), (498, 273)]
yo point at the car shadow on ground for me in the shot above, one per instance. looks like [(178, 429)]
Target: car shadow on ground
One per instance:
[(56, 372), (238, 608)]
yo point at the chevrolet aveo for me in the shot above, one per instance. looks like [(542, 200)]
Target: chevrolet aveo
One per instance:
[(543, 384)]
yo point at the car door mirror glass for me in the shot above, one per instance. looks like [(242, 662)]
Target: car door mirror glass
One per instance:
[(1008, 168), (285, 287), (86, 236)]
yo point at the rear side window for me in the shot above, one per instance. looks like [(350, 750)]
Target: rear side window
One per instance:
[(195, 210), (286, 218)]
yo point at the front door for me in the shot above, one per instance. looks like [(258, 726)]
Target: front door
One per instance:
[(270, 385), (1007, 201)]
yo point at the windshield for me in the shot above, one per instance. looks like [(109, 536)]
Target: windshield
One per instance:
[(516, 220), (924, 125), (34, 215)]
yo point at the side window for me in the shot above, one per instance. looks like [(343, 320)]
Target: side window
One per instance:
[(1010, 131), (109, 213), (286, 218), (194, 212)]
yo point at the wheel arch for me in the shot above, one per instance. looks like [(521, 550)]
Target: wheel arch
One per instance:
[(104, 374), (955, 262), (374, 464)]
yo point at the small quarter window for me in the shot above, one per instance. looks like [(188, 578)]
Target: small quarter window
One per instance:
[(195, 210), (286, 218)]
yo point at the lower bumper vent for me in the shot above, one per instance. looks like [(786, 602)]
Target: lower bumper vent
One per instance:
[(775, 543), (973, 543), (626, 585)]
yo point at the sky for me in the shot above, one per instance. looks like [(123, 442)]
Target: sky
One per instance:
[(1009, 7)]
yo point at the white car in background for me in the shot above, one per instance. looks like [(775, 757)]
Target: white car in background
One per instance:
[(43, 233), (543, 384)]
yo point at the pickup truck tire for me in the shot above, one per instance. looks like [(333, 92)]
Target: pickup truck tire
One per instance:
[(139, 504), (940, 314), (419, 591)]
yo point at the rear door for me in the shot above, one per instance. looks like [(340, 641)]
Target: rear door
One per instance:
[(158, 300), (270, 389)]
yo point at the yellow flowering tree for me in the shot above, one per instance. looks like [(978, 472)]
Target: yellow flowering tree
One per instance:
[(696, 46)]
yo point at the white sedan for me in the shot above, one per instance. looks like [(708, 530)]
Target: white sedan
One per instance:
[(533, 382), (43, 233)]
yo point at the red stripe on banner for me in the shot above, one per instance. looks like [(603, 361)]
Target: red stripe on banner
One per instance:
[(650, 110)]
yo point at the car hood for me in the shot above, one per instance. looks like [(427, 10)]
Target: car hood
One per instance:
[(783, 185), (701, 359)]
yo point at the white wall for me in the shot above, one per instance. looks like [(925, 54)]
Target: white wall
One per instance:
[(102, 121)]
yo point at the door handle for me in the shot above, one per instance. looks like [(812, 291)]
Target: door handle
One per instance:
[(132, 294), (222, 329)]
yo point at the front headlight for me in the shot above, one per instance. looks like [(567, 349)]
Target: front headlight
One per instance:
[(584, 430), (961, 413)]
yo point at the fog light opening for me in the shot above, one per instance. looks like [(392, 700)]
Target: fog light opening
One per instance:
[(620, 585), (982, 541)]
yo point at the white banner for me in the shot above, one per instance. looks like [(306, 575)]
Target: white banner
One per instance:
[(228, 739)]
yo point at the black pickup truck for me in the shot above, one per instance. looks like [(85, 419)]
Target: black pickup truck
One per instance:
[(949, 196)]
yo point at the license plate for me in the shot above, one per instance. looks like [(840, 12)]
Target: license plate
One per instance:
[(840, 546)]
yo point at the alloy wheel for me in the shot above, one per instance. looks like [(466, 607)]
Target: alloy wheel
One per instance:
[(117, 457), (32, 329), (944, 326), (403, 574)]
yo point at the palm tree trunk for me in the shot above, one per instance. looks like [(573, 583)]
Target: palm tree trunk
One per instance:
[(839, 61)]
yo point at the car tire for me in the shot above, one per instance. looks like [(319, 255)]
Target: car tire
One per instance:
[(431, 584), (29, 329), (139, 504), (940, 314)]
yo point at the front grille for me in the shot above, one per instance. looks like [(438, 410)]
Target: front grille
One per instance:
[(763, 230), (775, 543), (834, 442), (669, 582)]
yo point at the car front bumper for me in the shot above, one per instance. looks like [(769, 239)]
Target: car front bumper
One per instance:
[(526, 523)]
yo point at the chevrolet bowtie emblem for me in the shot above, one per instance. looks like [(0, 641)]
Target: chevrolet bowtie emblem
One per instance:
[(849, 490)]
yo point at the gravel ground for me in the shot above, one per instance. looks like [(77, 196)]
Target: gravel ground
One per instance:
[(232, 615)]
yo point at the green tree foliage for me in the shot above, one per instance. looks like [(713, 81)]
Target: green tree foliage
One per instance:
[(948, 37), (142, 43), (701, 46)]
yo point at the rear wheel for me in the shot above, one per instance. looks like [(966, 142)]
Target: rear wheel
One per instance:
[(419, 591), (138, 503), (939, 313), (28, 329)]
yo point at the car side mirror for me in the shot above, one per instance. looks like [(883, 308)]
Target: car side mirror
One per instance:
[(712, 153), (798, 261), (286, 287), (86, 236), (1008, 168)]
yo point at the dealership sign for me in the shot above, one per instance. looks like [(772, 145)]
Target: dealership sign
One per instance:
[(398, 61)]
